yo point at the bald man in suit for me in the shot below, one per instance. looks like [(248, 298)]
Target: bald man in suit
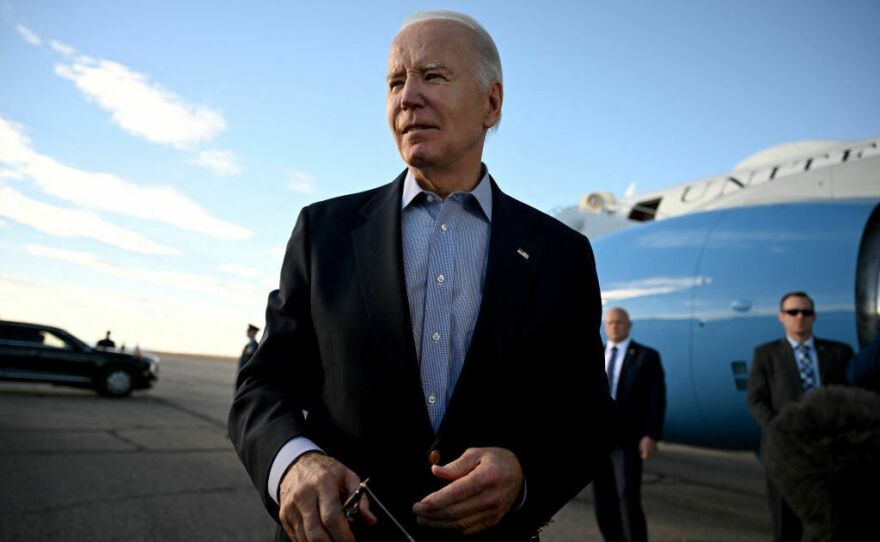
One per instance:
[(637, 383)]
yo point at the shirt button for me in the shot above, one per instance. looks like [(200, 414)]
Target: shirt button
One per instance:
[(432, 398), (441, 279), (430, 198), (436, 336), (444, 227)]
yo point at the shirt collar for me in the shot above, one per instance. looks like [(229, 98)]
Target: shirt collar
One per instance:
[(621, 346), (482, 192), (794, 344)]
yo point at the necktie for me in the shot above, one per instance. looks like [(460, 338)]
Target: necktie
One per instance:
[(611, 365), (805, 366)]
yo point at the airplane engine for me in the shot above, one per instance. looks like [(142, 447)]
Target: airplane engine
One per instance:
[(704, 290)]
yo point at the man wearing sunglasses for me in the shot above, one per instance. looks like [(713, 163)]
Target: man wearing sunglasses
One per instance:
[(783, 371)]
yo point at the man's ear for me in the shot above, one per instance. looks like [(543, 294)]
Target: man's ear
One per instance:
[(494, 99)]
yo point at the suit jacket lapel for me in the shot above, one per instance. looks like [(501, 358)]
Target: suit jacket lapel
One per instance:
[(788, 368), (513, 255), (822, 357), (626, 366), (379, 269)]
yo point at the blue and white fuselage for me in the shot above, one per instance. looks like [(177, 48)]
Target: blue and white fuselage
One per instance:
[(700, 268)]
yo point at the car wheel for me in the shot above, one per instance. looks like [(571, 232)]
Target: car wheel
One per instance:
[(116, 382)]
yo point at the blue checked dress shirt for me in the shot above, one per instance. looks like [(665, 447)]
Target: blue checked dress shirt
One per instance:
[(445, 251)]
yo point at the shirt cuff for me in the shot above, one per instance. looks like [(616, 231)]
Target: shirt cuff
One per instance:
[(285, 457)]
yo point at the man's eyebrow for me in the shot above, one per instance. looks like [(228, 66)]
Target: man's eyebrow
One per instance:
[(422, 69), (432, 67), (397, 72)]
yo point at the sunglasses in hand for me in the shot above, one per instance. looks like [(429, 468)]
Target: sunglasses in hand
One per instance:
[(352, 507)]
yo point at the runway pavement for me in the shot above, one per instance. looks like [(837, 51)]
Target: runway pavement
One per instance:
[(157, 466)]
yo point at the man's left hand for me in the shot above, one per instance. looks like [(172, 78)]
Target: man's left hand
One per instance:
[(485, 483), (647, 447)]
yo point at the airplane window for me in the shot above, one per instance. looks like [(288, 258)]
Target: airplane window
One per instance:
[(739, 368), (644, 211), (855, 153), (740, 375)]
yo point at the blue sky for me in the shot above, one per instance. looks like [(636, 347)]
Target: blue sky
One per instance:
[(154, 155)]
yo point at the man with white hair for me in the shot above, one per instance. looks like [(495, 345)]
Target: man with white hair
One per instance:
[(431, 339)]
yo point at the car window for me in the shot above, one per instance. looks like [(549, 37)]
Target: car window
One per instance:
[(54, 341), (21, 334)]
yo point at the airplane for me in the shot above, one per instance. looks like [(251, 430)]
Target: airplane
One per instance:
[(701, 268)]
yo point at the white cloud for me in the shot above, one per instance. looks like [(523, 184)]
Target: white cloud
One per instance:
[(221, 162), (239, 270), (241, 293), (62, 48), (139, 106), (71, 223), (107, 192), (145, 109), (301, 182), (15, 147), (29, 35), (11, 175)]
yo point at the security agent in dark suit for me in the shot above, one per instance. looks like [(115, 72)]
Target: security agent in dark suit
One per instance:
[(636, 379), (106, 342), (783, 371), (441, 335), (250, 347)]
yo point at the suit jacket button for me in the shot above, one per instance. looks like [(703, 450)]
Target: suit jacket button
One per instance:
[(434, 457)]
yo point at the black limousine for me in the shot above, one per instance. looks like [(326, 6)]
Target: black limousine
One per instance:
[(38, 353)]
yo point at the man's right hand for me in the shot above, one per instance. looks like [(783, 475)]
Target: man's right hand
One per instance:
[(311, 496)]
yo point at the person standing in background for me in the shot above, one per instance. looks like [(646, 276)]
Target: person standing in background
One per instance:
[(106, 342), (250, 347), (783, 371), (638, 386)]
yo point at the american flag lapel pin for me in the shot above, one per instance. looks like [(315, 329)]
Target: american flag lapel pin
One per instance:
[(522, 253)]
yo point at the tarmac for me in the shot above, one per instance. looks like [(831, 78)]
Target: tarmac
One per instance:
[(158, 466)]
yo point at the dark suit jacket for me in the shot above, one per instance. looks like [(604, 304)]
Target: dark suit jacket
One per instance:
[(339, 344), (864, 369), (641, 395), (247, 352), (775, 380)]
